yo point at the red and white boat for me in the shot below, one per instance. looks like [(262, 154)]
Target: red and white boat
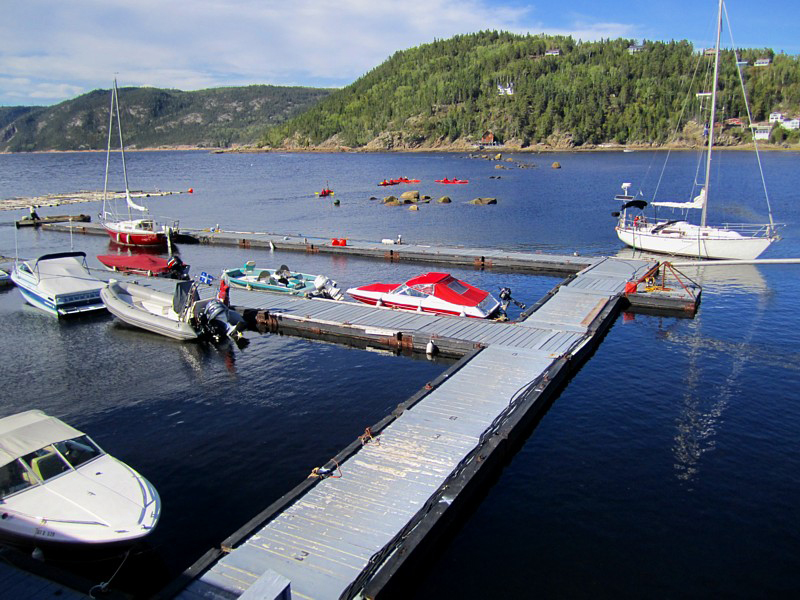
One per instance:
[(438, 293), (132, 231)]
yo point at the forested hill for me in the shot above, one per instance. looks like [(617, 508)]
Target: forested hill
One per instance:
[(565, 93), (153, 118)]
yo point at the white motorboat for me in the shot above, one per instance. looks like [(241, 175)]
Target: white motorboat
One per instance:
[(60, 284), (680, 237), (59, 489), (438, 293), (181, 315)]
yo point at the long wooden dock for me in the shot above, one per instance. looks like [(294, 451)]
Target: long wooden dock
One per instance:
[(350, 529)]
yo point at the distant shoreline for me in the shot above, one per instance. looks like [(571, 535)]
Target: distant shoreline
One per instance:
[(455, 148)]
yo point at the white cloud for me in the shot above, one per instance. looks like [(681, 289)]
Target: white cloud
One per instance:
[(56, 50)]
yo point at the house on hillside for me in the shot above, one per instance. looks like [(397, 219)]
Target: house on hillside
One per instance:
[(791, 123), (762, 62), (761, 131), (553, 52), (635, 48), (505, 90), (776, 117), (488, 139)]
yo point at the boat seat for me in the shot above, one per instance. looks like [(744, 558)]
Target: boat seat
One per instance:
[(47, 466)]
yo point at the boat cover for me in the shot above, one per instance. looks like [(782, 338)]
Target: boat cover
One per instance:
[(31, 430)]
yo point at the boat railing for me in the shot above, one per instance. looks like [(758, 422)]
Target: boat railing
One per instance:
[(753, 229)]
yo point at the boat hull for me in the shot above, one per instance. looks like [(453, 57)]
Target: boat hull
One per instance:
[(136, 239), (736, 248)]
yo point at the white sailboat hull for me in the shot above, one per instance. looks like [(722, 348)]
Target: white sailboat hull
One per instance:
[(685, 239)]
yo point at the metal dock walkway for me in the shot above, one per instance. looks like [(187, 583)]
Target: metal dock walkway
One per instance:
[(347, 532)]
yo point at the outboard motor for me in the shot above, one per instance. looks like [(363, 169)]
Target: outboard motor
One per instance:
[(218, 321), (327, 288), (506, 300), (177, 268)]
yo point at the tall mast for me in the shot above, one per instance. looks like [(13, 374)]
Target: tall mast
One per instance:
[(712, 118), (122, 148)]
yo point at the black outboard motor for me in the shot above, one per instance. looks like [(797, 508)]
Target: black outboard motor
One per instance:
[(506, 300), (177, 268), (217, 321)]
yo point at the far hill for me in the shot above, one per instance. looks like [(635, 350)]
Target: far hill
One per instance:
[(562, 93), (153, 118)]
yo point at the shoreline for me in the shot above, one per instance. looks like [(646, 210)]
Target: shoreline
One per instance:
[(452, 148)]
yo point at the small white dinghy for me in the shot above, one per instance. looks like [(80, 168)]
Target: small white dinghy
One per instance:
[(58, 489), (180, 316)]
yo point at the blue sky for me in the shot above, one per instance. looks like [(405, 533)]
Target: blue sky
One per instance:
[(51, 51)]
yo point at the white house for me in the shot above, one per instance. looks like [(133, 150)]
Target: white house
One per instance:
[(791, 123), (635, 48), (553, 52), (761, 132), (776, 117), (762, 62)]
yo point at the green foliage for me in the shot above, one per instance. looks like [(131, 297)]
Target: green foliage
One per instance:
[(153, 117), (593, 92)]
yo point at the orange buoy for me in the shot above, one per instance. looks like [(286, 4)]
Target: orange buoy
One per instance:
[(191, 190)]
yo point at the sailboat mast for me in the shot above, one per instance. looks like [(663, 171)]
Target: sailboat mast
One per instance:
[(712, 118), (108, 150), (122, 149)]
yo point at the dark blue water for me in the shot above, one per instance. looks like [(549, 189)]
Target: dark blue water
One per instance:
[(668, 466)]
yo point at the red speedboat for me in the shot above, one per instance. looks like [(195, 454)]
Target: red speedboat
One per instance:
[(146, 264), (446, 180), (438, 293)]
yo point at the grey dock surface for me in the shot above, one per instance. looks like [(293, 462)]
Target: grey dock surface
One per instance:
[(348, 532), (475, 257)]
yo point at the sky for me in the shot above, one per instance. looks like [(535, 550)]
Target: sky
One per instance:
[(56, 50)]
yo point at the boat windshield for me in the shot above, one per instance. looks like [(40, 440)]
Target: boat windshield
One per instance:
[(410, 291), (46, 463), (78, 450), (14, 477)]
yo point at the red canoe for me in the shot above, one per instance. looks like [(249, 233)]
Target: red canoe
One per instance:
[(445, 180)]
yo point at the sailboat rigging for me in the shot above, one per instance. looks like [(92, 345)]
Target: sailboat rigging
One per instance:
[(680, 237), (143, 231)]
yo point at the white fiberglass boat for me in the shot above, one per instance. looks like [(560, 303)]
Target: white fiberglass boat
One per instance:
[(58, 489), (438, 293), (59, 284), (680, 237)]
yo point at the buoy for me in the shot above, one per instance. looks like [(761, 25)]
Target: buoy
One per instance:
[(431, 348), (191, 190)]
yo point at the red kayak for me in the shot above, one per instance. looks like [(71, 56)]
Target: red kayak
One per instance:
[(445, 180), (145, 264), (325, 192)]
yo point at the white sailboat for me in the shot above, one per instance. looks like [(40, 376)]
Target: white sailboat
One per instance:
[(143, 231), (681, 237)]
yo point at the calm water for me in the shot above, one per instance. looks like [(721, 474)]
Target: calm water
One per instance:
[(667, 467)]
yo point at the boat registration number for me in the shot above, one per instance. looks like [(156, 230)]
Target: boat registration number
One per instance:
[(45, 533)]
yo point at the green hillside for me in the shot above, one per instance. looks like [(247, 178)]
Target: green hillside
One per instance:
[(446, 93), (154, 117)]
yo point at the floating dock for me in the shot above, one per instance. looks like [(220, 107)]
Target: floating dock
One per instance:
[(359, 523), (367, 515)]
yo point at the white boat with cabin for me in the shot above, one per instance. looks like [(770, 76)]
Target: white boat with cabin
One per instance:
[(59, 489), (60, 284)]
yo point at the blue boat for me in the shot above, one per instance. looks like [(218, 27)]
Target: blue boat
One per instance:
[(59, 284), (282, 281)]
